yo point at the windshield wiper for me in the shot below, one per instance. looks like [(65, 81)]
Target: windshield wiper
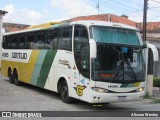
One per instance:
[(120, 71), (129, 64), (117, 71)]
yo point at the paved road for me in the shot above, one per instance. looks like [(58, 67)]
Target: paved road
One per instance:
[(31, 98)]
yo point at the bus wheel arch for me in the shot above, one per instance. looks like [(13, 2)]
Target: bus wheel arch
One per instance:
[(9, 72), (63, 89), (15, 77)]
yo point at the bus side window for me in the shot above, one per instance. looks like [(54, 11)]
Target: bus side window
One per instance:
[(48, 42), (65, 39), (40, 40), (5, 42), (14, 42), (8, 41), (52, 38), (30, 40), (22, 41), (81, 50)]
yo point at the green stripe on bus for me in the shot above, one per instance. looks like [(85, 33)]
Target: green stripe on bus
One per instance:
[(47, 63), (130, 85), (38, 66), (123, 85)]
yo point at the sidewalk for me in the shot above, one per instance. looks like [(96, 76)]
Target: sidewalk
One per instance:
[(156, 93), (146, 101)]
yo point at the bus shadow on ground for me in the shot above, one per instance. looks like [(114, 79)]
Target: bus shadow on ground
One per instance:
[(81, 105)]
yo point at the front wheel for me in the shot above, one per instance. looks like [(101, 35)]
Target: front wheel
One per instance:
[(64, 93)]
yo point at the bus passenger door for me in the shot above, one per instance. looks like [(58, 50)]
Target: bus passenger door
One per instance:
[(81, 55)]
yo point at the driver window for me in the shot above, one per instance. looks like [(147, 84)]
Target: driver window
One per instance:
[(81, 50)]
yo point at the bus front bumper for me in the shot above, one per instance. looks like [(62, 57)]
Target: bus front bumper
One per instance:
[(115, 97)]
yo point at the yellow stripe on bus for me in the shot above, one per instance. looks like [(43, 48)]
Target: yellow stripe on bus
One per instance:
[(24, 69), (30, 66), (137, 84)]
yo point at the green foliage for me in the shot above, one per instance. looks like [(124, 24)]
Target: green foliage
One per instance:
[(156, 100), (156, 82), (147, 96)]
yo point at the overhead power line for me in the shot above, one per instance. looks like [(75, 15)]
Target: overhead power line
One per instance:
[(118, 5), (142, 10), (155, 1), (114, 5), (124, 5), (122, 8), (107, 6)]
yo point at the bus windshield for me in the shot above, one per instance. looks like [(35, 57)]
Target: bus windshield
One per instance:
[(116, 62)]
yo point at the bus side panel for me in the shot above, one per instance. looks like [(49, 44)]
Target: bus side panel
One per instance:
[(4, 67), (46, 66), (65, 67), (24, 68), (37, 67)]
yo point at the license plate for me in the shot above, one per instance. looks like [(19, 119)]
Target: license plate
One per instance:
[(121, 98)]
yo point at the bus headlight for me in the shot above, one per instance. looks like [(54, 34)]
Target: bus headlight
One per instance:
[(140, 89), (100, 90)]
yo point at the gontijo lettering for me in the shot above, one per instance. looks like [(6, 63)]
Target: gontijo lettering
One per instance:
[(19, 55)]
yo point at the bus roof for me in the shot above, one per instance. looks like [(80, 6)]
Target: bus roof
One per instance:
[(44, 26), (103, 23), (87, 23)]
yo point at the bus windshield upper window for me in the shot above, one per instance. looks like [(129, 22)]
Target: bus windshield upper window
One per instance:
[(115, 35)]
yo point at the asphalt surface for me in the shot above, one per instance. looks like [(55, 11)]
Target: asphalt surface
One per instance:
[(27, 97), (31, 98)]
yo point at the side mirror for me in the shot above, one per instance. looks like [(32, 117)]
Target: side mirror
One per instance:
[(144, 45), (93, 48)]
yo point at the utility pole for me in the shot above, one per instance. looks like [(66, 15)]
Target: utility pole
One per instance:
[(97, 6), (2, 13), (145, 19), (149, 54)]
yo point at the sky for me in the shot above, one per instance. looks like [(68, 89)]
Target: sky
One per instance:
[(41, 11)]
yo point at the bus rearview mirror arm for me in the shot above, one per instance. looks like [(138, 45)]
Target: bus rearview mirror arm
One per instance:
[(93, 48), (144, 45)]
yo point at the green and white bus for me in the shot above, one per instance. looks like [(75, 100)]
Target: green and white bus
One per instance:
[(94, 61)]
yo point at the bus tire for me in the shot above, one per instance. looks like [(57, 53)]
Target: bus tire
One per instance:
[(10, 76), (15, 78), (64, 92)]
